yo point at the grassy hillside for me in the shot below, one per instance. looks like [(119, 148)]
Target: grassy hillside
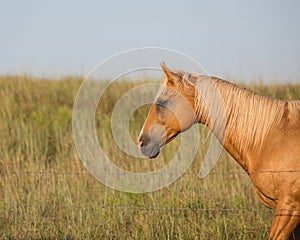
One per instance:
[(45, 192)]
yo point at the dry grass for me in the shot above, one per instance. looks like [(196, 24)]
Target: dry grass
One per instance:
[(45, 192)]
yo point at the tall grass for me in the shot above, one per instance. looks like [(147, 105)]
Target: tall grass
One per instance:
[(45, 192)]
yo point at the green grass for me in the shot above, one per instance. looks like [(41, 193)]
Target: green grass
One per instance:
[(45, 192)]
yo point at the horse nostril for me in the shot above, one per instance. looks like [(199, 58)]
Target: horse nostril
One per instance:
[(140, 143), (143, 141)]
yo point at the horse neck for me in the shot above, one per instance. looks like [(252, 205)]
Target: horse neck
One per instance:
[(248, 116)]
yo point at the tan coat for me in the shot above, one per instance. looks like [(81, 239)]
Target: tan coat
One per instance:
[(262, 134)]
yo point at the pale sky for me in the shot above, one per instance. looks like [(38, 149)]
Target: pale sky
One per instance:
[(241, 39)]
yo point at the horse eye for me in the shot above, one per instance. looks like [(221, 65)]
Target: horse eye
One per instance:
[(162, 102)]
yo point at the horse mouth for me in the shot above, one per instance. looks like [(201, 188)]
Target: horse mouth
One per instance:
[(154, 155), (153, 150), (150, 151)]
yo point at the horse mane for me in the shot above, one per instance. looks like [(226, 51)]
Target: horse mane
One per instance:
[(248, 113)]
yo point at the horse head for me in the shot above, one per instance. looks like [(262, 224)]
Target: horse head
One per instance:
[(171, 113)]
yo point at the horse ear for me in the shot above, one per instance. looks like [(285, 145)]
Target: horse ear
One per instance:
[(172, 76)]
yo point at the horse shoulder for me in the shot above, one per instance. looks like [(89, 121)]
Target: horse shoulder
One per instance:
[(275, 169)]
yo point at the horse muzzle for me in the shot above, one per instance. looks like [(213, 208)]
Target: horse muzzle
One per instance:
[(150, 151), (148, 146)]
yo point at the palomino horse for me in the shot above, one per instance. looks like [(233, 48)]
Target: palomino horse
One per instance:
[(262, 134)]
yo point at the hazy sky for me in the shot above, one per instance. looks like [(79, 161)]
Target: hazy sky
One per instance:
[(236, 38)]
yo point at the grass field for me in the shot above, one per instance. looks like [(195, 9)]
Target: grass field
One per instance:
[(45, 192)]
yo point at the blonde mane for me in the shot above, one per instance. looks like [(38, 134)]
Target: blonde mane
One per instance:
[(249, 114)]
